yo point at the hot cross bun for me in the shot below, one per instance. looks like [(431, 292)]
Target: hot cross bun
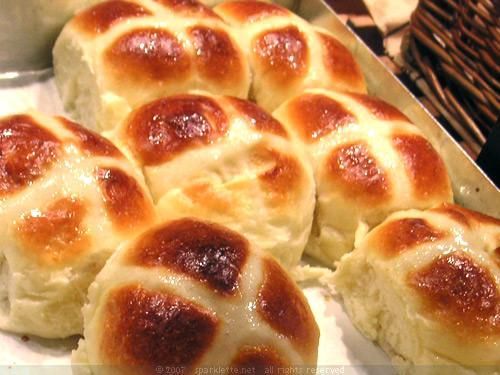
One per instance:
[(190, 294), (226, 160), (426, 286), (119, 54), (68, 197), (287, 54), (369, 160)]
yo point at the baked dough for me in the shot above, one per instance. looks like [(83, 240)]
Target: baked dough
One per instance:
[(286, 3), (426, 286), (226, 160), (368, 161), (68, 198), (120, 54), (190, 294), (287, 54)]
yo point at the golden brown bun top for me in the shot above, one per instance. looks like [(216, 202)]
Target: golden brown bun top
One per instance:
[(146, 327), (165, 128), (346, 120), (288, 54), (207, 253), (459, 285), (251, 11), (28, 150), (153, 43), (36, 150), (101, 17)]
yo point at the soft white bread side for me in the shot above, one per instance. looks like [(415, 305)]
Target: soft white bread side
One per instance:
[(68, 197), (287, 54), (426, 286), (369, 160), (190, 294), (226, 160), (120, 54)]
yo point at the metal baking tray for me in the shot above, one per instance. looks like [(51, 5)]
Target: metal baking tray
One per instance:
[(342, 350), (472, 188)]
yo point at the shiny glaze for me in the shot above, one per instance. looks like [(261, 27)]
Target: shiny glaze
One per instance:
[(124, 199), (395, 237), (91, 142), (56, 235), (147, 55), (162, 129), (355, 172), (315, 116), (217, 58), (27, 151), (460, 293), (379, 108), (145, 329), (281, 54), (424, 167), (101, 17), (257, 117), (285, 309), (206, 252)]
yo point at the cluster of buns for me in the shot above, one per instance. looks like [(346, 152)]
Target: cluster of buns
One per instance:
[(226, 160), (368, 159), (120, 54), (211, 198)]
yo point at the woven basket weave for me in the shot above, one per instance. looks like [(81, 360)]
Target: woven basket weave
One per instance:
[(455, 44)]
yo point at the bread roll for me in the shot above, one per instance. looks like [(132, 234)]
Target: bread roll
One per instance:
[(120, 54), (212, 3), (226, 160), (190, 294), (286, 3), (68, 198), (287, 54), (368, 160), (426, 286)]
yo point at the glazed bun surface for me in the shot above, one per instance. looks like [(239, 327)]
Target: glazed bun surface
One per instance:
[(369, 160), (119, 54), (68, 197), (190, 294), (287, 54), (226, 160), (426, 286)]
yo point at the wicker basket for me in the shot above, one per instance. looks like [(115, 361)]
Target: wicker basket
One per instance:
[(455, 44)]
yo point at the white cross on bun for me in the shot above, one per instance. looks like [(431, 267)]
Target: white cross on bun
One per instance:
[(369, 160), (426, 286), (226, 160), (190, 294), (119, 54)]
